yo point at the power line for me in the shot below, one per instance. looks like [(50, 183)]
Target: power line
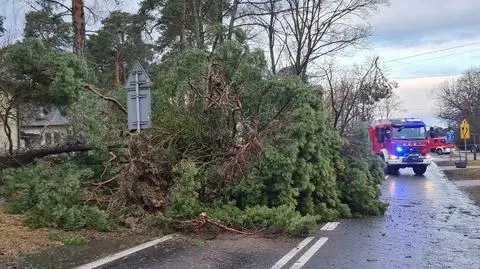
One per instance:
[(429, 76), (419, 54), (433, 51), (434, 59)]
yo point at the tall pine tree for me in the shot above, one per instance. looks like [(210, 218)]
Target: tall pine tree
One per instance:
[(116, 45)]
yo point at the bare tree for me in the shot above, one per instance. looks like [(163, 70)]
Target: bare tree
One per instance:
[(306, 30), (389, 107), (351, 95), (460, 99), (262, 14)]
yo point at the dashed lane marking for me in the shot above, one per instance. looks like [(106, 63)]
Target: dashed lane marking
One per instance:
[(309, 253), (330, 226), (125, 253), (284, 260)]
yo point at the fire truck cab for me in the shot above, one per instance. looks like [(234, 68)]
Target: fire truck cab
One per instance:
[(401, 143)]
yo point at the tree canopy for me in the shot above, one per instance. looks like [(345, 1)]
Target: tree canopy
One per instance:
[(49, 28), (116, 46), (460, 98)]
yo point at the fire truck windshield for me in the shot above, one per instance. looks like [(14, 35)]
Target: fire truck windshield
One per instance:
[(409, 132)]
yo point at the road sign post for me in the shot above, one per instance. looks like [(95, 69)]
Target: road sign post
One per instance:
[(138, 98), (465, 134), (474, 148), (450, 135)]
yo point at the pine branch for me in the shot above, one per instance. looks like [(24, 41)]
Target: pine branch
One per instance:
[(107, 98)]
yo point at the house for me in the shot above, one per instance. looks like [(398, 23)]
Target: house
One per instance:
[(45, 128)]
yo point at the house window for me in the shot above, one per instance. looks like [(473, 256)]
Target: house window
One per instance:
[(57, 137), (48, 138)]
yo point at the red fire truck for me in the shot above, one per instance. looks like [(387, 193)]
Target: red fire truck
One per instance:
[(401, 143), (440, 146)]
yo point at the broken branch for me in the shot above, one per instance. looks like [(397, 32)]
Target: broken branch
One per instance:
[(107, 98), (99, 185), (204, 219)]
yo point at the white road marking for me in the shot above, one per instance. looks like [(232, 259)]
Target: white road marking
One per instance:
[(330, 226), (309, 253), (284, 260), (125, 253)]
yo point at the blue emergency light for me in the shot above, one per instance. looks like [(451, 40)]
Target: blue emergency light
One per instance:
[(399, 149), (411, 119)]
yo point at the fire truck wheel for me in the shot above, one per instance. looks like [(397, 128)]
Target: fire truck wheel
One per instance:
[(439, 151), (419, 170), (391, 170)]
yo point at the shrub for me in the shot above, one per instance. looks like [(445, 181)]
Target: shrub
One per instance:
[(358, 183), (274, 219), (51, 195), (184, 194)]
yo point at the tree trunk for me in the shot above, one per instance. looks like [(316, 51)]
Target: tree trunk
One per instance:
[(198, 23), (233, 16), (183, 20), (8, 133), (22, 158), (220, 20), (119, 67), (271, 36), (78, 20)]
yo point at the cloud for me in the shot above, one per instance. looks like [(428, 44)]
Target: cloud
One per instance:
[(408, 23), (423, 60), (418, 98)]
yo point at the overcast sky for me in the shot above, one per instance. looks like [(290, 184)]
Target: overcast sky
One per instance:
[(421, 42)]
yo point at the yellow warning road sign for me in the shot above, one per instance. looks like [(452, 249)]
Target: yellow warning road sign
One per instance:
[(464, 130)]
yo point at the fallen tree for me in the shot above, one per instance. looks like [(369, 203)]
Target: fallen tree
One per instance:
[(243, 150), (21, 158)]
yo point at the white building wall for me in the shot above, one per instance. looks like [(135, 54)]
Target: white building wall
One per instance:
[(4, 138)]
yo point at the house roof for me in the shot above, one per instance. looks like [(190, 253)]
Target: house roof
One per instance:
[(51, 116)]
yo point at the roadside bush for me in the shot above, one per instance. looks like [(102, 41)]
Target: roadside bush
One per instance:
[(51, 195), (281, 219), (358, 183), (184, 195)]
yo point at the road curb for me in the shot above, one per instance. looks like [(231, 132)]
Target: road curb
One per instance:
[(126, 252)]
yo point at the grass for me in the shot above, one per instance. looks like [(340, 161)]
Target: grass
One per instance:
[(474, 193), (463, 174), (75, 240), (452, 162), (199, 243)]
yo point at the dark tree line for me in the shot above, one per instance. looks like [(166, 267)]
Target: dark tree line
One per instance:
[(460, 99)]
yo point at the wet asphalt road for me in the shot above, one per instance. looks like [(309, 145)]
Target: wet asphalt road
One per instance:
[(430, 223)]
